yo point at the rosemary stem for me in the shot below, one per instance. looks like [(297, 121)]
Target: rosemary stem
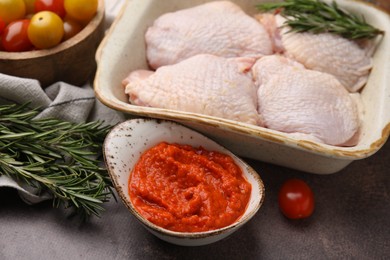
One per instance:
[(55, 156)]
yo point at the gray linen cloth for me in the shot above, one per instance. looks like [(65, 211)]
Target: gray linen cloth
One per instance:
[(60, 100)]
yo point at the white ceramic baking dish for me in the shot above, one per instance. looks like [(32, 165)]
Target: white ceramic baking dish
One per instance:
[(123, 50)]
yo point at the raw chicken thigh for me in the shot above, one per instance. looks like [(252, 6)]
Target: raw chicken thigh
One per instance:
[(220, 28), (293, 99), (325, 52), (204, 84)]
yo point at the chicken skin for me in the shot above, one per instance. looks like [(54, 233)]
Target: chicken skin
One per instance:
[(293, 99), (204, 84), (220, 28), (345, 59)]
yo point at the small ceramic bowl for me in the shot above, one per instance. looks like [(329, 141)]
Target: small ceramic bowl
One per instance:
[(123, 147), (72, 61)]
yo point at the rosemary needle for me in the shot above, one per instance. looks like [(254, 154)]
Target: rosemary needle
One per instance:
[(317, 16), (55, 156)]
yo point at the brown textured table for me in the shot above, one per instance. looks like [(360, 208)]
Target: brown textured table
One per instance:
[(351, 221)]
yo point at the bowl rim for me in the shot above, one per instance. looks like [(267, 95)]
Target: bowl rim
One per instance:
[(187, 235), (273, 136), (63, 46)]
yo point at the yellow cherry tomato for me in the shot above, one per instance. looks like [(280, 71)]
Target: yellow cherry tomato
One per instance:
[(81, 10), (46, 30), (12, 10), (29, 6)]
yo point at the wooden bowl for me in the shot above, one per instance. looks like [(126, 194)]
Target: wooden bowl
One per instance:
[(72, 61)]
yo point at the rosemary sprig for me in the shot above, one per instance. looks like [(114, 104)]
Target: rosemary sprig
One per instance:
[(55, 156), (316, 16)]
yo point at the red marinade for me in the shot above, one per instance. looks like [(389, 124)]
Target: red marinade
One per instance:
[(187, 189)]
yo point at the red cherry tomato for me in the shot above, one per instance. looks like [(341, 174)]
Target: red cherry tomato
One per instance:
[(2, 25), (15, 36), (1, 44), (71, 28), (55, 6), (296, 199)]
